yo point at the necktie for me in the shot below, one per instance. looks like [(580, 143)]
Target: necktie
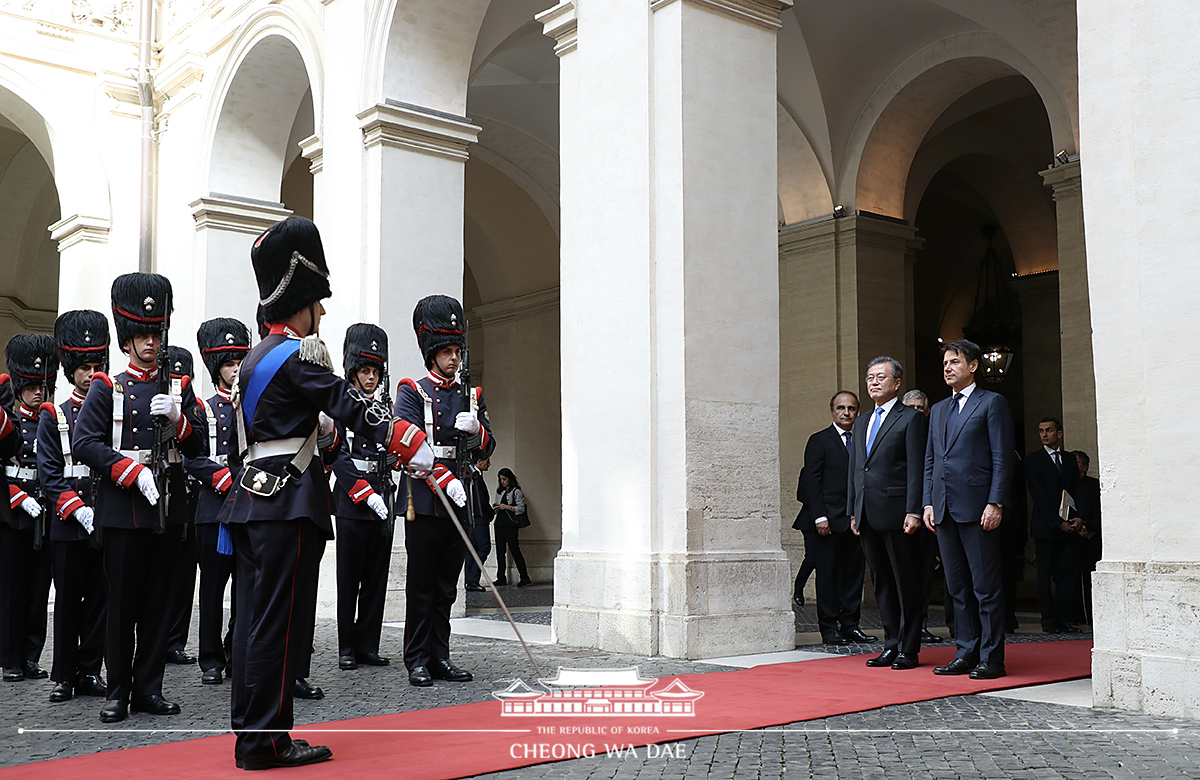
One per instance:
[(1058, 459), (952, 416), (874, 428), (846, 438)]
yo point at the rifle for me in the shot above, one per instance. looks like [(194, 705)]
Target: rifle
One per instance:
[(463, 455), (162, 424), (40, 522), (386, 461)]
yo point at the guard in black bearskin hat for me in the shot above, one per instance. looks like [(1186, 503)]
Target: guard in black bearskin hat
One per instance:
[(179, 615), (364, 548), (223, 342), (81, 337), (435, 549), (278, 510), (115, 436), (33, 366)]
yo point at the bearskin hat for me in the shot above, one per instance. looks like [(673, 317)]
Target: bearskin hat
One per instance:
[(264, 325), (365, 345), (140, 302), (82, 337), (439, 322), (289, 263), (31, 360), (181, 361), (221, 340)]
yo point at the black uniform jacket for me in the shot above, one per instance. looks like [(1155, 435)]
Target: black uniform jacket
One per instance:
[(119, 503), (10, 445), (25, 458), (64, 494), (354, 486), (447, 402), (215, 478)]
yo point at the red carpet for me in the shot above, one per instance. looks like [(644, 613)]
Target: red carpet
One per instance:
[(471, 739)]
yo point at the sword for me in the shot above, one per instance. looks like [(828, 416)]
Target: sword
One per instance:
[(471, 549)]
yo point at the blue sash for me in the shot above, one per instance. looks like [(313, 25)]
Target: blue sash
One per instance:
[(264, 371)]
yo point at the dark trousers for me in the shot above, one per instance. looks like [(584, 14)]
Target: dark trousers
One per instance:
[(183, 595), (363, 557), (840, 565), (24, 594), (1012, 563), (1057, 579), (216, 570), (808, 565), (435, 556), (894, 559), (928, 551), (481, 540), (79, 610), (277, 563), (139, 567), (506, 537), (971, 557)]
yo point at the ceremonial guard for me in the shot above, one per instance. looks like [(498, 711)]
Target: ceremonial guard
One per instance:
[(131, 432), (435, 549), (179, 620), (364, 546), (32, 364), (223, 343), (278, 510), (76, 559)]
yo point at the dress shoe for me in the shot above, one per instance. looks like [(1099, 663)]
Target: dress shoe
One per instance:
[(475, 587), (1067, 628), (302, 690), (295, 755), (886, 658), (420, 677), (905, 661), (180, 657), (444, 670), (856, 635), (798, 600), (62, 692), (211, 676), (347, 662), (500, 582), (90, 685), (153, 704), (987, 671), (834, 639), (15, 674), (957, 666), (930, 638), (524, 581), (241, 764), (113, 711), (34, 672), (372, 659)]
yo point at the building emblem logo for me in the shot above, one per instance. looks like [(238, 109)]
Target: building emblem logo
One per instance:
[(577, 692)]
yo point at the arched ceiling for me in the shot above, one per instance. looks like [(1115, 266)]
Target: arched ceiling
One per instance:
[(28, 256)]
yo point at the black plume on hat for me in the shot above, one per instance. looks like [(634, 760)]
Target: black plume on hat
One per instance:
[(365, 345), (181, 361), (82, 337), (31, 360), (264, 325), (289, 263), (140, 302), (221, 340), (438, 322)]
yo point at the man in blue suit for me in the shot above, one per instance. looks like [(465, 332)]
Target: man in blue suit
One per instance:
[(969, 464)]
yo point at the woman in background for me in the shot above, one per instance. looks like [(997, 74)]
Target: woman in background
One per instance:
[(509, 506)]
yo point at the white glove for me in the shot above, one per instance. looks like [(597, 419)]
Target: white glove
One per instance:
[(145, 483), (422, 460), (84, 515), (166, 405), (326, 423), (467, 422), (31, 507), (378, 505), (457, 492)]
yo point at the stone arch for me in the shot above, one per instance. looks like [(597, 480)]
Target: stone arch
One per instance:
[(803, 189), (896, 119)]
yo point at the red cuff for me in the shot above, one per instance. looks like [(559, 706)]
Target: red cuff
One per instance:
[(221, 480), (68, 502), (125, 472), (361, 491), (484, 437), (183, 429), (441, 475), (405, 440), (16, 496)]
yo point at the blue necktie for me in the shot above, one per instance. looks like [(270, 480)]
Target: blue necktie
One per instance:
[(952, 416), (874, 428), (846, 437)]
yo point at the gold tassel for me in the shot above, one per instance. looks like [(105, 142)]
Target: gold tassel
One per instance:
[(313, 350), (410, 513)]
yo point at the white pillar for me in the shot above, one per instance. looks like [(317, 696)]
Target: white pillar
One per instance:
[(670, 329), (1138, 118)]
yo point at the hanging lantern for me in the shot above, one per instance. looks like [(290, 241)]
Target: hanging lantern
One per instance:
[(997, 360), (993, 325)]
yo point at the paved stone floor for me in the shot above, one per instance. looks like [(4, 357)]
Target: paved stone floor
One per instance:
[(961, 737)]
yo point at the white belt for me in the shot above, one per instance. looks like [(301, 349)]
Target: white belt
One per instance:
[(23, 474), (222, 459), (366, 466), (275, 448), (446, 453), (143, 456), (78, 471)]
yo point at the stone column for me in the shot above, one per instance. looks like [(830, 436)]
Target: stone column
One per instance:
[(1075, 312), (670, 340), (1041, 355), (85, 273), (1137, 64)]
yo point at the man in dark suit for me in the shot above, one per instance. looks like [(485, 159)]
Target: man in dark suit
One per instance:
[(1049, 470), (836, 551), (884, 491), (1087, 506), (968, 471)]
